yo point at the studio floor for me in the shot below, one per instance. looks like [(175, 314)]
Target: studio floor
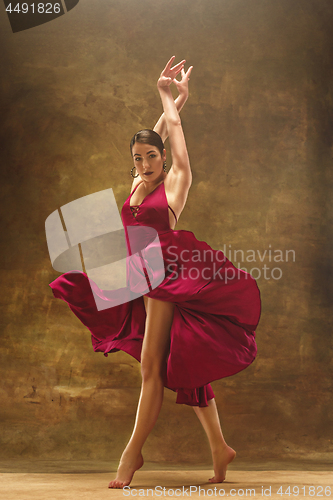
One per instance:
[(73, 481)]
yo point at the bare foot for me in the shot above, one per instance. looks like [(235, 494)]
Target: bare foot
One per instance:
[(127, 466), (221, 458)]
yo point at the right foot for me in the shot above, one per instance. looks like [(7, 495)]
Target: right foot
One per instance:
[(221, 458), (127, 466)]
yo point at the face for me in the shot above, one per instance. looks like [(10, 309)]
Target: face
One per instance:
[(148, 161)]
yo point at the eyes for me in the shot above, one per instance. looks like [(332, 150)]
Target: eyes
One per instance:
[(138, 158)]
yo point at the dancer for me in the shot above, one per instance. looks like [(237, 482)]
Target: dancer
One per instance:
[(198, 324)]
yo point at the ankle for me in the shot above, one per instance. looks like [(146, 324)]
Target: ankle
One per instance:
[(219, 445), (132, 450)]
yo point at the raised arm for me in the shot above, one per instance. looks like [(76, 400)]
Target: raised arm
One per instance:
[(179, 178), (182, 86)]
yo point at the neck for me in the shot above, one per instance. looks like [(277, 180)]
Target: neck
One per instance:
[(150, 186)]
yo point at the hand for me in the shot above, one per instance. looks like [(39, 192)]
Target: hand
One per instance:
[(169, 74), (182, 85)]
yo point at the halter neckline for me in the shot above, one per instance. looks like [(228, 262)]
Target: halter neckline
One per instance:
[(136, 187), (135, 208)]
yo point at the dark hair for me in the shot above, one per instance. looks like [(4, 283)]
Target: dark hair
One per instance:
[(147, 136)]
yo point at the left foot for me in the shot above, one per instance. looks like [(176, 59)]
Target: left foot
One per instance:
[(221, 458), (127, 466)]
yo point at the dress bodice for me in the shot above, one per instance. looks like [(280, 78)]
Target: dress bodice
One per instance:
[(152, 212)]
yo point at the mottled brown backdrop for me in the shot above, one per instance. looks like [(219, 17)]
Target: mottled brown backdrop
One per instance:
[(259, 125)]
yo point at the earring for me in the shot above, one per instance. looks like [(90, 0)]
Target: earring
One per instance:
[(137, 175), (164, 166)]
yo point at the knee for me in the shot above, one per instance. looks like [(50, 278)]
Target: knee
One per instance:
[(152, 367)]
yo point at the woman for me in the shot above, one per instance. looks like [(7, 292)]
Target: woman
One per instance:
[(198, 324)]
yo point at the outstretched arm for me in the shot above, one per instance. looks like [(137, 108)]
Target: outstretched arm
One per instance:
[(182, 86)]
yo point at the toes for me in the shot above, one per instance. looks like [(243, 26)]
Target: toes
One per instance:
[(214, 480), (115, 484)]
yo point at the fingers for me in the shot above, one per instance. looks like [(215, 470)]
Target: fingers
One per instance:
[(170, 73), (168, 65), (176, 69), (178, 66), (168, 68), (188, 72), (184, 76)]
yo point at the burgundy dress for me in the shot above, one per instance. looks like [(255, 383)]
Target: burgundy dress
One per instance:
[(217, 306)]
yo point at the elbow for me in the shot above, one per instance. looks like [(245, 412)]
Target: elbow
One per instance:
[(174, 122), (189, 179)]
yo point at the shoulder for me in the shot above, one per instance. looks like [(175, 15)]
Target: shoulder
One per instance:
[(136, 183)]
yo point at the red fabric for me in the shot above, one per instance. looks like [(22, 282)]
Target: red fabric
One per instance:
[(217, 306)]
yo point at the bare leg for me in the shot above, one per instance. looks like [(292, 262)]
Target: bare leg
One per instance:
[(155, 349), (222, 453)]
